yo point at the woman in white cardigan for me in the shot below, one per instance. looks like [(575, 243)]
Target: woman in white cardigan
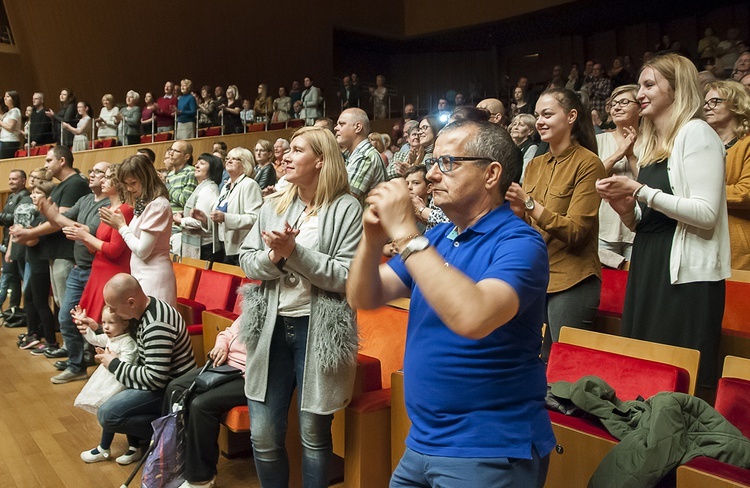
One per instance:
[(236, 209), (197, 236), (681, 256)]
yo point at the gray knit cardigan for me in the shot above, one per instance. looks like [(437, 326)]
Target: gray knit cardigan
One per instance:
[(332, 340)]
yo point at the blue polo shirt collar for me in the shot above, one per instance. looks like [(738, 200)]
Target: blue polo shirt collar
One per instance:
[(482, 226)]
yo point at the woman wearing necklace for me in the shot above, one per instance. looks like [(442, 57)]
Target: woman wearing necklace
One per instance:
[(727, 106), (299, 329), (618, 152), (148, 233), (236, 209), (197, 238)]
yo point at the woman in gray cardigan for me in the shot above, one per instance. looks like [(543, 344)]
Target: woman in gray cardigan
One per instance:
[(298, 328), (236, 209)]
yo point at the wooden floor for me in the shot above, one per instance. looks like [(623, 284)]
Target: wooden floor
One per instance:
[(42, 434)]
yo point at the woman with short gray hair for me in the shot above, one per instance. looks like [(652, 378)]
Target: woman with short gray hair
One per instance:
[(129, 119)]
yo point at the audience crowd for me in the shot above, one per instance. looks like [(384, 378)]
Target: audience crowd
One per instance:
[(646, 164)]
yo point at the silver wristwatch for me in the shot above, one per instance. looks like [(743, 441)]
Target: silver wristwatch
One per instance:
[(529, 204), (419, 243)]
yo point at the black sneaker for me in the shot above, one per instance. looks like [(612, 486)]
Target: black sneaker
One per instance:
[(29, 341), (21, 337), (57, 353)]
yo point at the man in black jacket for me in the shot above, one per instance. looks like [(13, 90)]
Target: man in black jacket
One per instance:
[(40, 126), (10, 282)]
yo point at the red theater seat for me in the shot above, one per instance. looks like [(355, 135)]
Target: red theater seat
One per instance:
[(631, 367), (733, 402)]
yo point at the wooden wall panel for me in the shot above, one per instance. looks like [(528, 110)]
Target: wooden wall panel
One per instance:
[(95, 47)]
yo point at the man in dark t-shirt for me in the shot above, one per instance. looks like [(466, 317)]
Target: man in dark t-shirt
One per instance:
[(59, 161)]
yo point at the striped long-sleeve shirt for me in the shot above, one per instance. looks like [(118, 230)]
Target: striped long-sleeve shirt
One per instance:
[(164, 350)]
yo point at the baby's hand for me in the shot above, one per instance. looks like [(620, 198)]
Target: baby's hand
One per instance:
[(83, 321), (78, 314)]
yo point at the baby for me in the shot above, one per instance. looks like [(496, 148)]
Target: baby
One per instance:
[(117, 338)]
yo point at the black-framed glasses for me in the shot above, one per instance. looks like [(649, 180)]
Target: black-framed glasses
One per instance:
[(94, 172), (712, 103), (445, 163), (623, 102)]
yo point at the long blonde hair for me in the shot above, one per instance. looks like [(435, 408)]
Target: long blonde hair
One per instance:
[(333, 180), (737, 101), (682, 77)]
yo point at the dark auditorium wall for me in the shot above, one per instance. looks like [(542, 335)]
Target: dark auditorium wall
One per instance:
[(428, 16), (96, 47)]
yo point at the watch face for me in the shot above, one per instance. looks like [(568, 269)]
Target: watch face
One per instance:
[(529, 203)]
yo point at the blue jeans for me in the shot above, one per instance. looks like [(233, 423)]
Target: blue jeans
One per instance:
[(269, 418), (420, 470), (131, 412), (73, 339)]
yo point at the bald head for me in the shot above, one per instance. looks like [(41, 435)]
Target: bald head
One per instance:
[(495, 107), (352, 128), (125, 296)]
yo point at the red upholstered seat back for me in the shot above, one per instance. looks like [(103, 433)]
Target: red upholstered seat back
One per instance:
[(382, 334), (216, 290), (630, 377), (238, 301), (733, 402), (614, 283)]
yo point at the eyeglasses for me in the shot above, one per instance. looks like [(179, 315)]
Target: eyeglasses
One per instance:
[(94, 172), (623, 102), (424, 128), (445, 163), (712, 103)]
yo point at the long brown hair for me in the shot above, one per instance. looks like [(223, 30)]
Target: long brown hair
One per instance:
[(139, 167), (582, 131)]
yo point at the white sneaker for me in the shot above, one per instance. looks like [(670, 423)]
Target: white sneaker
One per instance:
[(208, 484), (95, 455), (132, 455)]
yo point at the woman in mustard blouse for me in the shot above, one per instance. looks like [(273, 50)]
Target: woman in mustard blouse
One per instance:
[(727, 106), (559, 199)]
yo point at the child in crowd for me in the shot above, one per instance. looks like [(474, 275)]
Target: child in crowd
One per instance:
[(41, 321), (420, 191), (118, 338)]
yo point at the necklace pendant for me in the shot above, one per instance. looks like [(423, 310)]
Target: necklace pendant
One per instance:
[(291, 280)]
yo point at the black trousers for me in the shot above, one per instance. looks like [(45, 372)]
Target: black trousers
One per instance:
[(202, 426), (36, 295)]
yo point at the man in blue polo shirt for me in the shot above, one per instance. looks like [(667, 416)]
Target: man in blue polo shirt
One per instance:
[(473, 379)]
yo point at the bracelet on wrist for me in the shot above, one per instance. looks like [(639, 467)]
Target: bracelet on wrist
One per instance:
[(397, 244)]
